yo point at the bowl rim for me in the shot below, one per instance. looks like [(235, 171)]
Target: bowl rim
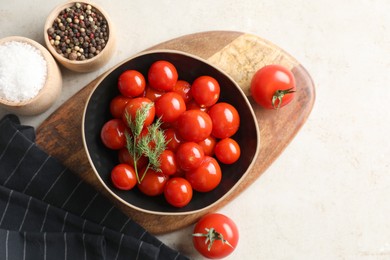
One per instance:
[(49, 22), (46, 56), (127, 204)]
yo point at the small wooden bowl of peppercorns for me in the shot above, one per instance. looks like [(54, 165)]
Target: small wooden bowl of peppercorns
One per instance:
[(80, 36)]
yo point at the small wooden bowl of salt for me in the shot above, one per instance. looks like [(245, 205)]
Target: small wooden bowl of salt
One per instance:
[(30, 79)]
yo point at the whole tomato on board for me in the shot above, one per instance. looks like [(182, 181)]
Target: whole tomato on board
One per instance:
[(215, 236), (273, 86)]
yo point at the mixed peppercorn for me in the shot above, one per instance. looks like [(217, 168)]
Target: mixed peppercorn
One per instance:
[(79, 32)]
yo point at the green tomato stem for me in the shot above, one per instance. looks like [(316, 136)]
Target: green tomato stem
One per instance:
[(278, 95), (211, 235)]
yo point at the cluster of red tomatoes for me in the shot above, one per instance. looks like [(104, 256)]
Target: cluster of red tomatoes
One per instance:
[(198, 133)]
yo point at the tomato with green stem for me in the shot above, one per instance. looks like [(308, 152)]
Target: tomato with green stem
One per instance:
[(215, 236), (273, 86)]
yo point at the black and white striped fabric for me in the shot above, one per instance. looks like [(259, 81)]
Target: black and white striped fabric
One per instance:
[(47, 212)]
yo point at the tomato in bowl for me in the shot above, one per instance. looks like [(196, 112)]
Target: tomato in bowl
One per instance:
[(189, 68)]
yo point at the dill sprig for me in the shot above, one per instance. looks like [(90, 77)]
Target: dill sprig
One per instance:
[(150, 145)]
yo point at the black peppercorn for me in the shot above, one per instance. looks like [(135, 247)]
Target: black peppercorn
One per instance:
[(79, 32)]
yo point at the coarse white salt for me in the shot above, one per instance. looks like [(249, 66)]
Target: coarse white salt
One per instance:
[(23, 71)]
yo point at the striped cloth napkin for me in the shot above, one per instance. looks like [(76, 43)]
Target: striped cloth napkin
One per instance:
[(47, 212)]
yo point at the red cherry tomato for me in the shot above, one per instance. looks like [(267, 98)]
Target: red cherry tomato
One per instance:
[(194, 125), (206, 177), (173, 139), (152, 93), (170, 106), (117, 105), (273, 86), (134, 105), (189, 156), (225, 118), (208, 145), (131, 83), (178, 192), (125, 157), (205, 90), (227, 151), (218, 232), (162, 75), (153, 183), (168, 163), (183, 88), (112, 134), (192, 105), (123, 177)]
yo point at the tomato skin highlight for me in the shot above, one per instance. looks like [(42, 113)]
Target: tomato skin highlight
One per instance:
[(221, 224), (178, 192), (131, 83), (162, 75), (112, 134), (206, 177), (194, 125), (227, 151), (205, 90), (270, 79), (225, 118), (123, 177)]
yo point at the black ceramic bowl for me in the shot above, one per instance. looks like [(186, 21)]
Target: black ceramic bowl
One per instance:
[(189, 67)]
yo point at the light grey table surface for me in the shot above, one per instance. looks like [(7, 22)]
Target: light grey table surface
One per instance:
[(328, 195)]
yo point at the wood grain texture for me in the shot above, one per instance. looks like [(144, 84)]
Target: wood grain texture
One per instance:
[(239, 55)]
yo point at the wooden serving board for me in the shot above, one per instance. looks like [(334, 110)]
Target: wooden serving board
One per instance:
[(239, 55)]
